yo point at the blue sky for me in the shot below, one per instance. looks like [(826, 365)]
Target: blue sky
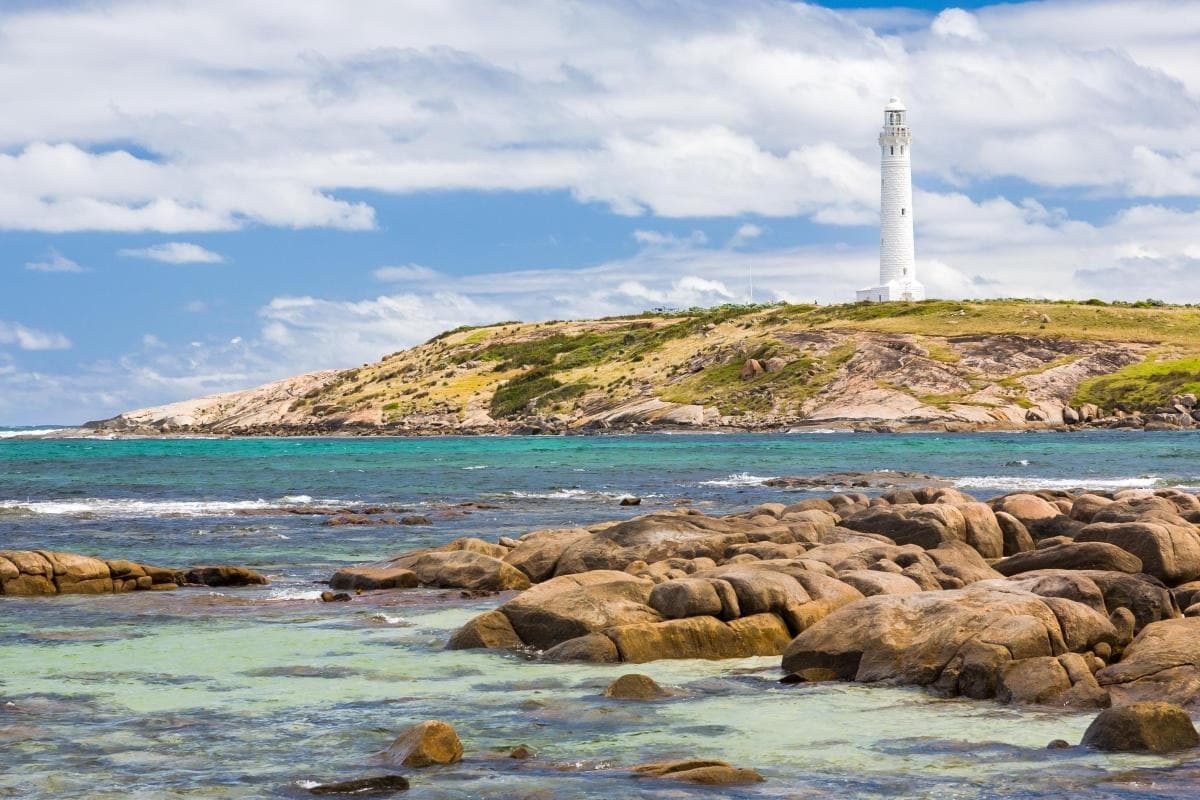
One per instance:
[(202, 196)]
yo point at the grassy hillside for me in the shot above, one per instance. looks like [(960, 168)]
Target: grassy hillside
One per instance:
[(513, 370)]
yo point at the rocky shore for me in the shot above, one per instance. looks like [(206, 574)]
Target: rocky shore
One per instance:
[(25, 573), (936, 366), (1057, 598)]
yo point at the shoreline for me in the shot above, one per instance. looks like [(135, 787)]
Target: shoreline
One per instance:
[(637, 429)]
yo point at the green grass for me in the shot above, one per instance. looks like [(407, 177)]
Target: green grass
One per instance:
[(1141, 387)]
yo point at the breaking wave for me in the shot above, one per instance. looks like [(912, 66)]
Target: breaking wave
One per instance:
[(738, 479)]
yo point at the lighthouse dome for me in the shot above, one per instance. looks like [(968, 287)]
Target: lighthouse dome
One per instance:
[(894, 104)]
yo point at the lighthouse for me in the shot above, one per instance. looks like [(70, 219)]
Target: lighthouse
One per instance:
[(897, 266)]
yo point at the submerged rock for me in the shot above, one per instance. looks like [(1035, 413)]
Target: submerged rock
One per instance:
[(364, 787), (636, 687), (706, 773), (1149, 727), (425, 744)]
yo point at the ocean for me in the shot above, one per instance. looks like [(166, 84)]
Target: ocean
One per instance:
[(261, 692)]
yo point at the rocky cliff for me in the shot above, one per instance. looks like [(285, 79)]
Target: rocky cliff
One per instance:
[(933, 365)]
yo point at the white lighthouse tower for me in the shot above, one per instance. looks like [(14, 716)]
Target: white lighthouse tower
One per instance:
[(897, 267)]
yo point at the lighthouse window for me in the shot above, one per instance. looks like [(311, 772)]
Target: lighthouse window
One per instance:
[(901, 149), (893, 149), (902, 212)]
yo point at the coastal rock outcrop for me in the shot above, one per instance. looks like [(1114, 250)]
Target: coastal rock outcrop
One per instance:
[(47, 572), (958, 642)]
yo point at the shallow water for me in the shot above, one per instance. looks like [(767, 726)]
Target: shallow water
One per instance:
[(254, 693)]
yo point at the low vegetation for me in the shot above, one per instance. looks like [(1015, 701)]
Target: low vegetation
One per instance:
[(512, 369), (1142, 387)]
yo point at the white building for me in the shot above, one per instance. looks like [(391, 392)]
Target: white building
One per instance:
[(897, 266)]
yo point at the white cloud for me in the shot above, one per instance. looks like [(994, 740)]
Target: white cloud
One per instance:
[(745, 233), (54, 262), (174, 253), (254, 114), (955, 22), (405, 272), (195, 306), (31, 338)]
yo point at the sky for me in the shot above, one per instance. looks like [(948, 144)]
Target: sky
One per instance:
[(204, 195)]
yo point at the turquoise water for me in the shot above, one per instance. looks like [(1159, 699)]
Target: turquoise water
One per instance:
[(253, 693)]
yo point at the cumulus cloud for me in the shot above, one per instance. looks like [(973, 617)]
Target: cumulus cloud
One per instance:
[(54, 262), (27, 338), (174, 253), (764, 107)]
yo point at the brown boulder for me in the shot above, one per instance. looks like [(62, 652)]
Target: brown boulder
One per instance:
[(490, 630), (1163, 663), (960, 639), (1169, 552), (385, 577), (701, 637), (570, 606), (424, 744), (1063, 681), (635, 686), (1026, 508), (924, 525), (706, 773), (465, 569), (537, 553), (1149, 727), (594, 648), (224, 575), (1073, 555)]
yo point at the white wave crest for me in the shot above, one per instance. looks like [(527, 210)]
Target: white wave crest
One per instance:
[(12, 434), (738, 479), (153, 508), (1009, 483)]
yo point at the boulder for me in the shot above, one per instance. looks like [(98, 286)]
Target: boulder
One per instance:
[(465, 569), (1016, 536), (688, 597), (1163, 663), (537, 553), (706, 773), (1064, 681), (425, 744), (386, 577), (570, 606), (983, 531), (1073, 555), (924, 525), (1144, 597), (635, 686), (490, 630), (701, 637), (1085, 506), (959, 640), (872, 582), (1026, 508), (1148, 727), (595, 648), (224, 575), (1169, 552)]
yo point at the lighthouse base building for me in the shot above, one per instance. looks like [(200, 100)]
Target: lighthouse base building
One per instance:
[(897, 263), (891, 291)]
